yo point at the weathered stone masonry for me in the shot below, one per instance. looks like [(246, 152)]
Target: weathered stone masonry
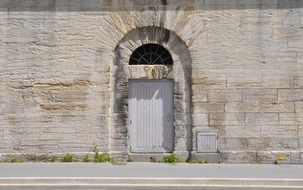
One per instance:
[(238, 70)]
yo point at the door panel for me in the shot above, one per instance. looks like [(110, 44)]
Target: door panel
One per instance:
[(151, 115)]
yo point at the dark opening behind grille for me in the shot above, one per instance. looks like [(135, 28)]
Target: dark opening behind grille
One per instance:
[(150, 54)]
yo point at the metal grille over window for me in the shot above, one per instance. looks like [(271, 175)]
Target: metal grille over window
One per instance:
[(150, 54)]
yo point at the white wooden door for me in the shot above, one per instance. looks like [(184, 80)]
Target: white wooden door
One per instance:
[(151, 115)]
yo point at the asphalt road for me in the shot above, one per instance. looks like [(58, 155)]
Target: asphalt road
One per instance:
[(149, 176), (151, 170)]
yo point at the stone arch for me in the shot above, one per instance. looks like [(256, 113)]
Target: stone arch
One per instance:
[(179, 72)]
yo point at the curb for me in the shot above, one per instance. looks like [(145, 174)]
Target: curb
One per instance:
[(69, 182)]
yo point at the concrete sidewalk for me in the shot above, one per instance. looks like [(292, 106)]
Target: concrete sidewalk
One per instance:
[(149, 175)]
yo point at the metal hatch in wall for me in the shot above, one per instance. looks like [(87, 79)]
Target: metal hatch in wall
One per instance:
[(151, 116)]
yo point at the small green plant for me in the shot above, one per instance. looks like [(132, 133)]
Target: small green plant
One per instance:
[(53, 158), (172, 158), (104, 157), (16, 159), (69, 158), (86, 158)]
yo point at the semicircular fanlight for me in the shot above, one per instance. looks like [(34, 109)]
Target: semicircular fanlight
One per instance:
[(150, 54)]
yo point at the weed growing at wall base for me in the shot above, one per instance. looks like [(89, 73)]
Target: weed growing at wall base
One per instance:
[(53, 158), (16, 159), (102, 157), (69, 158), (86, 158), (172, 158)]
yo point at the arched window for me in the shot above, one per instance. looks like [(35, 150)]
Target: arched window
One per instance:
[(150, 54)]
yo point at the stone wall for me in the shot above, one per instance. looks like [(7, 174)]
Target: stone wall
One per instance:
[(246, 74), (56, 83)]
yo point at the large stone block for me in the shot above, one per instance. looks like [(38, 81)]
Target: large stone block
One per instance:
[(208, 107), (226, 119), (199, 95), (294, 45), (290, 94), (277, 82), (261, 20), (200, 119), (286, 32), (260, 144), (233, 144), (244, 82), (279, 131), (240, 131), (242, 107), (290, 119), (257, 119), (296, 157), (292, 20), (277, 107), (286, 143), (263, 95), (298, 81), (211, 82), (224, 95), (286, 94), (236, 157), (299, 107)]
